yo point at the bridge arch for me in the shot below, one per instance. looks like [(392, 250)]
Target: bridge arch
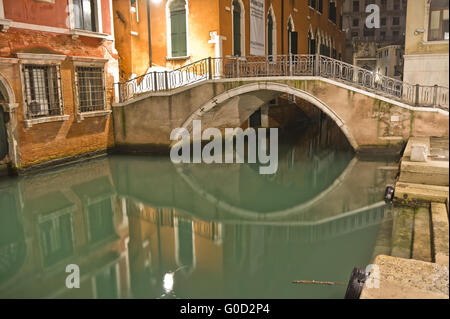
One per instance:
[(275, 87)]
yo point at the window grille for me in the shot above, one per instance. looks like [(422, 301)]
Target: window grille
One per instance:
[(91, 88), (43, 90)]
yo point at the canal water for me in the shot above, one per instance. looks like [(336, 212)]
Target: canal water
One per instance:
[(142, 227)]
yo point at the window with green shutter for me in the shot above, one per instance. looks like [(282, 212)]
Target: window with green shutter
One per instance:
[(178, 28), (236, 28)]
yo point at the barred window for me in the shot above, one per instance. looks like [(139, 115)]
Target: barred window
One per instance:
[(91, 88), (43, 90)]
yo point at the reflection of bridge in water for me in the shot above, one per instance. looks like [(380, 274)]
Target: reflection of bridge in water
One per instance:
[(301, 231)]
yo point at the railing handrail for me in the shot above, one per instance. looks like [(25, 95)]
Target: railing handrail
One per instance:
[(285, 65)]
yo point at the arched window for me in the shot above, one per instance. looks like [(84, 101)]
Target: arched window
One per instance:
[(177, 35), (271, 33), (292, 37), (238, 28), (311, 43)]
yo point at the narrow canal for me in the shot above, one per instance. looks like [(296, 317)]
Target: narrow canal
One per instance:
[(142, 227)]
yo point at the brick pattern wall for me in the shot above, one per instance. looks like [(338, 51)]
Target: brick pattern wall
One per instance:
[(47, 141)]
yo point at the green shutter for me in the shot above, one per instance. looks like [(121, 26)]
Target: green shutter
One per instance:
[(237, 30), (178, 33)]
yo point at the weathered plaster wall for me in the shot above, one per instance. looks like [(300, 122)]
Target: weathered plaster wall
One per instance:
[(48, 141)]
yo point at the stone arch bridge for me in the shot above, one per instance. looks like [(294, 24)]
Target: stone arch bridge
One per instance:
[(372, 110)]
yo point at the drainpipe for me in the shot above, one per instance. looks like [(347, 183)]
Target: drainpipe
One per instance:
[(149, 35), (282, 27)]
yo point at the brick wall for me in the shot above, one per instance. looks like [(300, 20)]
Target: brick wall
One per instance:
[(47, 141)]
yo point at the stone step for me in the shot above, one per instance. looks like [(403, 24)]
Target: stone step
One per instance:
[(383, 244), (399, 278), (422, 235), (411, 192), (429, 172), (440, 228), (402, 231)]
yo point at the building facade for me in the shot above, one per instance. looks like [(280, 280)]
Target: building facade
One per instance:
[(57, 69), (390, 61), (184, 31), (363, 43), (427, 43)]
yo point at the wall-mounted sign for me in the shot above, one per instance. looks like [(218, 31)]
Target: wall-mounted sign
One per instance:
[(257, 28)]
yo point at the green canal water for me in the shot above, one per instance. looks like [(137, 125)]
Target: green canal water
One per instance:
[(142, 227)]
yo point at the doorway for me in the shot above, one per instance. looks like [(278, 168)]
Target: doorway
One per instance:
[(4, 117)]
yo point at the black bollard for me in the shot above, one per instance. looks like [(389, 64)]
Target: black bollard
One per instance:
[(355, 284), (389, 194)]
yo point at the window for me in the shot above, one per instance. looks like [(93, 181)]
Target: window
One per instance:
[(85, 12), (395, 20), (237, 31), (91, 88), (355, 6), (383, 21), (383, 35), (320, 5), (395, 34), (369, 32), (42, 90), (384, 4), (355, 34), (438, 28), (312, 3), (355, 22), (396, 4), (135, 9), (332, 11), (178, 35), (56, 238), (311, 44), (270, 33), (106, 283)]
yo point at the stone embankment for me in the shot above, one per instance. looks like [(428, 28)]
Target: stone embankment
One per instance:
[(412, 249)]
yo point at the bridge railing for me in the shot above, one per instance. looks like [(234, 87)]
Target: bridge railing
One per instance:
[(285, 65)]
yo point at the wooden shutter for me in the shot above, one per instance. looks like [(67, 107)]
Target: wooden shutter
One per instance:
[(237, 30), (178, 33), (294, 42)]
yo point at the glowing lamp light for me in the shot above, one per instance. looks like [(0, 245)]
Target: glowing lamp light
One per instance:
[(168, 282)]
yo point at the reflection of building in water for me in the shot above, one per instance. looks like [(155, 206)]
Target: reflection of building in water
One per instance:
[(165, 240), (68, 217), (175, 255)]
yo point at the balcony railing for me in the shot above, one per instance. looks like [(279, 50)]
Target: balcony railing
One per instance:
[(286, 65)]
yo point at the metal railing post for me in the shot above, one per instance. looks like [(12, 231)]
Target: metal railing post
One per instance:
[(416, 102), (209, 68), (317, 66), (238, 71), (290, 63), (435, 92), (119, 93), (166, 80), (155, 82)]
